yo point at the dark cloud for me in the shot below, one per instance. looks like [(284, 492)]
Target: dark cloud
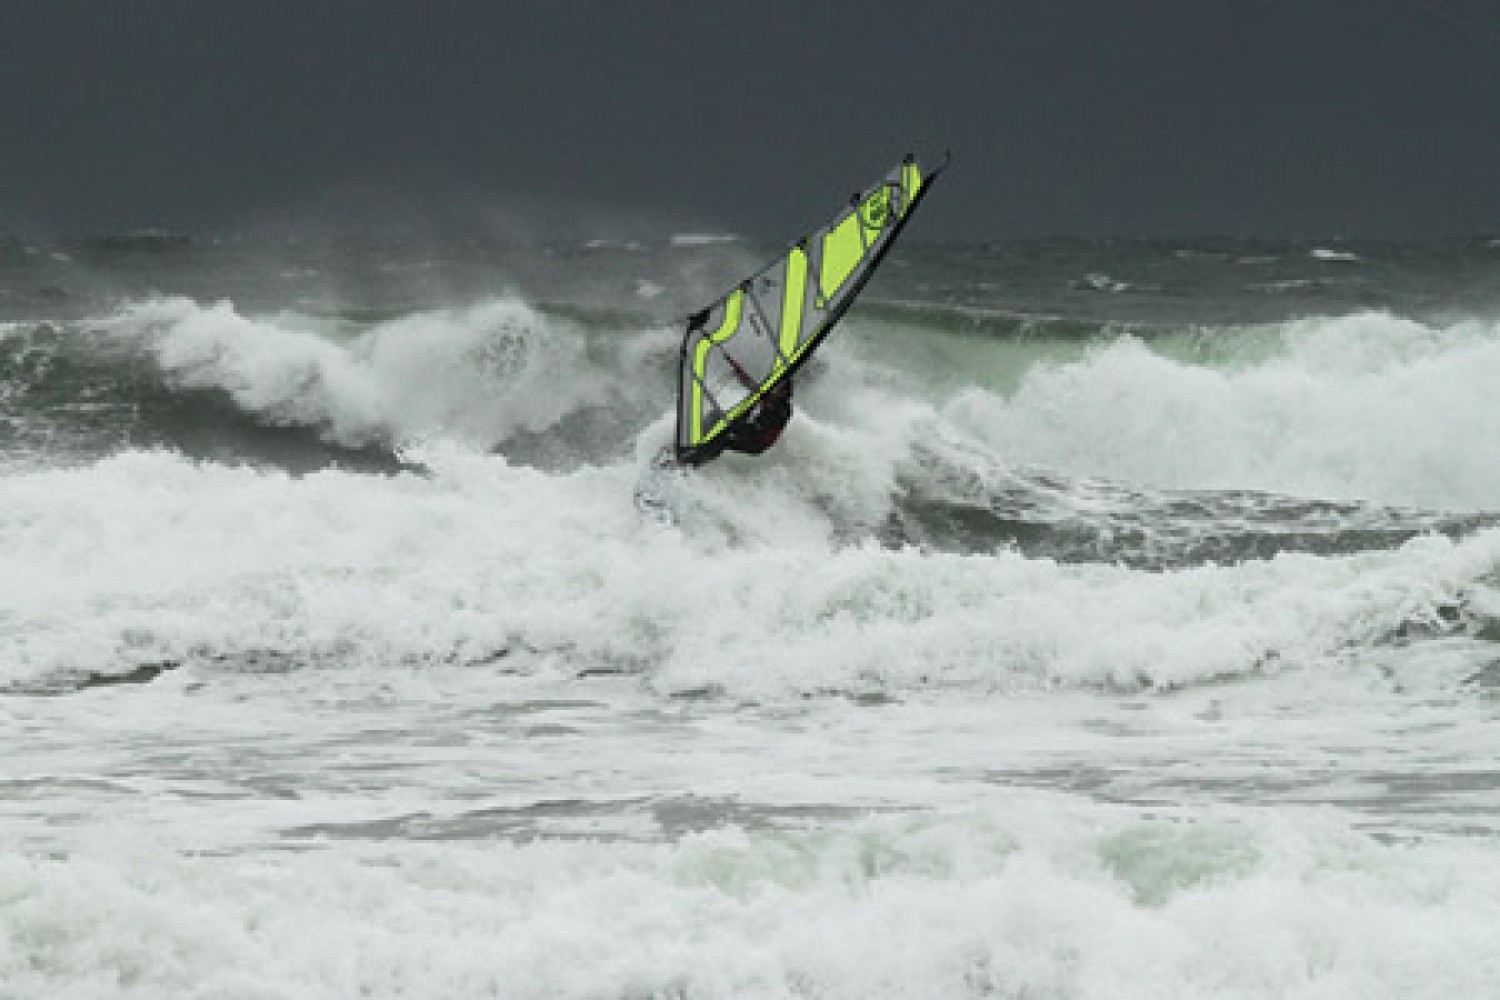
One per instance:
[(1343, 116)]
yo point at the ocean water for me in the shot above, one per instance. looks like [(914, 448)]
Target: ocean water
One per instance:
[(1115, 619)]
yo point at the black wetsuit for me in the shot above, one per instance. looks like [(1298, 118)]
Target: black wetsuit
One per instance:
[(757, 432)]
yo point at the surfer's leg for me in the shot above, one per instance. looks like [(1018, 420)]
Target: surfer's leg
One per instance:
[(666, 459), (653, 489)]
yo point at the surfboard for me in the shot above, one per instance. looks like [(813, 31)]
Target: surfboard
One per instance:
[(759, 333)]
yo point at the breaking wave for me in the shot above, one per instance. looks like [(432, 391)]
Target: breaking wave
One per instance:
[(1366, 407), (477, 559), (1112, 513)]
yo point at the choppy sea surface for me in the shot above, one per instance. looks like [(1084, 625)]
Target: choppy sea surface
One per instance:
[(1114, 619)]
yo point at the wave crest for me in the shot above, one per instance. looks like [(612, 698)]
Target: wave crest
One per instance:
[(1368, 407), (478, 374)]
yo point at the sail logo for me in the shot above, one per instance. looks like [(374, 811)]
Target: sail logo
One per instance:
[(877, 209)]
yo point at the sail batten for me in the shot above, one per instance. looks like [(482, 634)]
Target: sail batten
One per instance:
[(759, 333)]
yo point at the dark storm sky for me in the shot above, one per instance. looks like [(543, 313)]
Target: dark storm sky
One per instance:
[(1281, 117)]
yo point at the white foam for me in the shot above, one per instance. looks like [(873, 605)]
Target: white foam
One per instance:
[(1366, 407), (147, 557), (478, 374), (263, 836), (702, 239), (1100, 282), (1023, 897)]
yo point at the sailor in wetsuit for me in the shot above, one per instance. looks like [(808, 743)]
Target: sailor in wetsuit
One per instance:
[(758, 431), (753, 435)]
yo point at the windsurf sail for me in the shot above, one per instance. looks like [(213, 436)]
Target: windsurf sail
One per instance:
[(760, 332)]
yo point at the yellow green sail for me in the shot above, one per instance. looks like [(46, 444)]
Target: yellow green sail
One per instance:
[(758, 333)]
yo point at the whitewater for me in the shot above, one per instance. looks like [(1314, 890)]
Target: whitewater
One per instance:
[(1081, 638)]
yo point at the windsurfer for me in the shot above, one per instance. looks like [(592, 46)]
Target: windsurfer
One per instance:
[(760, 429)]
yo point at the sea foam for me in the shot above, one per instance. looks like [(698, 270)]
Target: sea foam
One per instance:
[(1365, 407), (475, 374), (149, 557), (1029, 896)]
